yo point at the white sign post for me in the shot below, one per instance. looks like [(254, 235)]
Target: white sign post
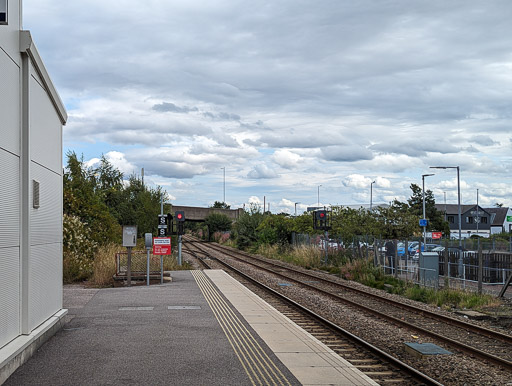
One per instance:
[(129, 241)]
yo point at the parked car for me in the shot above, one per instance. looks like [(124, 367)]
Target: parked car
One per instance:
[(412, 247), (441, 249), (424, 248), (400, 250)]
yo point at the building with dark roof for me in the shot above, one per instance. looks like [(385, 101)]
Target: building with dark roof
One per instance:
[(475, 220), (502, 221)]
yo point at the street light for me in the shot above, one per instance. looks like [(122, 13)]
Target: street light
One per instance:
[(224, 169), (477, 217), (319, 195), (460, 215), (371, 195), (425, 226), (296, 208)]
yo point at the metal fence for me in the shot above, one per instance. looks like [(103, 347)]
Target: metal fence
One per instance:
[(461, 270), (139, 264)]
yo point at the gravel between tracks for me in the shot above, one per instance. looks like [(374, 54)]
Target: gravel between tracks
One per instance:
[(457, 369)]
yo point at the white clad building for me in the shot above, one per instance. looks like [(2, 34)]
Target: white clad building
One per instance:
[(31, 120)]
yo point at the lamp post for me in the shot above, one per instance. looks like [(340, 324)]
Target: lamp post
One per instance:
[(477, 217), (296, 208), (444, 206), (460, 215), (424, 227), (371, 195), (319, 195), (224, 169)]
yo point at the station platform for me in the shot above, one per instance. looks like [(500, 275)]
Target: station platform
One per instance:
[(203, 328)]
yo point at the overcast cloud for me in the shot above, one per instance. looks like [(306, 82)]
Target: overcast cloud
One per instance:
[(287, 95)]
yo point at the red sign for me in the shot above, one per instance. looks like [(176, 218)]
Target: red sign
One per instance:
[(161, 245), (437, 235)]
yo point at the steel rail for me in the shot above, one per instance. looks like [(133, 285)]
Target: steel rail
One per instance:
[(461, 346), (410, 371), (477, 329)]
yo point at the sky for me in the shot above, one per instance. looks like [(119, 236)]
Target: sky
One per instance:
[(300, 101)]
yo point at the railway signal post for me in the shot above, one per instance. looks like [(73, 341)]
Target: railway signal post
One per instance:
[(180, 219), (321, 221)]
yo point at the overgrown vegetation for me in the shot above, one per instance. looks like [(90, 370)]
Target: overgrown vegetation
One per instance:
[(270, 235), (97, 202)]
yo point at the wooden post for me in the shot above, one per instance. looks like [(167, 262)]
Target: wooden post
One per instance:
[(129, 267), (396, 258), (406, 255), (446, 265), (480, 268), (419, 260), (375, 252)]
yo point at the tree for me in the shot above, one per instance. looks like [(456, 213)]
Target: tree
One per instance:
[(397, 221), (217, 222), (435, 217), (246, 225), (349, 223), (82, 200), (275, 229), (303, 223), (220, 205), (108, 181), (139, 205)]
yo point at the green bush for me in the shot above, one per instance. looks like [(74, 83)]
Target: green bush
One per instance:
[(78, 250)]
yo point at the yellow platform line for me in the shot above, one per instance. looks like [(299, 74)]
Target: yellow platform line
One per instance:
[(237, 328), (256, 363)]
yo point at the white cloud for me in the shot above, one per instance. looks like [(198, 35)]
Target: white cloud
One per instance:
[(262, 171), (357, 181), (382, 182), (286, 159), (379, 90), (255, 200), (117, 159)]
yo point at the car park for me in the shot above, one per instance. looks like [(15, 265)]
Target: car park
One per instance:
[(424, 248)]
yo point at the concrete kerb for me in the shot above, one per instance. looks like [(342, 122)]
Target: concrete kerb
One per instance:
[(17, 352)]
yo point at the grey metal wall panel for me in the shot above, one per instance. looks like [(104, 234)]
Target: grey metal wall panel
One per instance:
[(9, 200), (9, 38), (45, 277), (46, 128), (9, 104), (9, 294), (46, 221)]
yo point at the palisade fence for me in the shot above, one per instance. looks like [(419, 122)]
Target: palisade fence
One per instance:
[(460, 269)]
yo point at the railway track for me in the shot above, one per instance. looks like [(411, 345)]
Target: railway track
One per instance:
[(369, 359), (486, 344)]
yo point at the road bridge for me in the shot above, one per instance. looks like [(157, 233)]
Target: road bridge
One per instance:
[(193, 213)]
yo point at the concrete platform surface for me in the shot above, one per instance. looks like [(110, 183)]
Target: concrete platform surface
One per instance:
[(204, 328)]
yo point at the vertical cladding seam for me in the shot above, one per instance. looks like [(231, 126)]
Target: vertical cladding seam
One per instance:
[(233, 327)]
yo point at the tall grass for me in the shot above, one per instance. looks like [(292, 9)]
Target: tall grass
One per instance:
[(303, 256), (366, 273), (104, 265)]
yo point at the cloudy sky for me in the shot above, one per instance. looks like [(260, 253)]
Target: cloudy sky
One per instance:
[(287, 95)]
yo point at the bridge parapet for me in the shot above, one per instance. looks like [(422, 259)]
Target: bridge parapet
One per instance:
[(194, 213)]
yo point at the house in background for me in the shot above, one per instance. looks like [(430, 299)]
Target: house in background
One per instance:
[(502, 221), (31, 120), (469, 223)]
